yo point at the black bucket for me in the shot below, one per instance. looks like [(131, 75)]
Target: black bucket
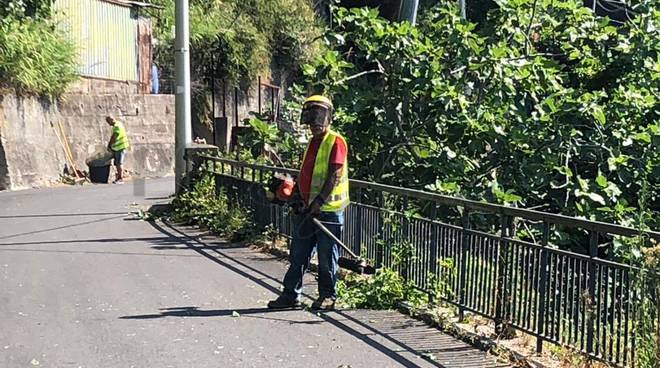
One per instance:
[(99, 174)]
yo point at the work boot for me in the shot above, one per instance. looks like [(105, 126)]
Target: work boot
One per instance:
[(283, 302), (324, 303)]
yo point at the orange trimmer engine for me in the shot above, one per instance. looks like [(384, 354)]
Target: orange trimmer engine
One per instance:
[(280, 188)]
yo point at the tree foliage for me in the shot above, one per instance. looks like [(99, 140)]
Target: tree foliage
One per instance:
[(240, 39), (547, 106), (25, 8), (35, 58)]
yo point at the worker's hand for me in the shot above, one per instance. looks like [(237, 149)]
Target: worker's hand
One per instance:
[(298, 207), (314, 208)]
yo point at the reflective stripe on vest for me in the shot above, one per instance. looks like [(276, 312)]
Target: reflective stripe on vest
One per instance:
[(338, 199), (121, 141)]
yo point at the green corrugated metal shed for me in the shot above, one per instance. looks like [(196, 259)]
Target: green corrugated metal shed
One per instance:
[(106, 35)]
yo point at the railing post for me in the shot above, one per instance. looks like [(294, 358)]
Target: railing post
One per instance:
[(380, 201), (543, 283), (406, 236), (217, 177), (188, 169), (434, 251), (259, 96), (633, 343), (218, 184), (589, 303), (265, 205), (501, 304), (463, 270), (358, 225)]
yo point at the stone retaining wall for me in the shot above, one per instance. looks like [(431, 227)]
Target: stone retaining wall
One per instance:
[(31, 155)]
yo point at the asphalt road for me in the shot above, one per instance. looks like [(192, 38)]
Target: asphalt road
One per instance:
[(85, 283)]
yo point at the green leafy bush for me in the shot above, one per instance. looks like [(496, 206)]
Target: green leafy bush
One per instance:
[(384, 290), (201, 206), (288, 147), (389, 287), (35, 58)]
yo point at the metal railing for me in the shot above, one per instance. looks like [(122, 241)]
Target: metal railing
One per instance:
[(453, 251)]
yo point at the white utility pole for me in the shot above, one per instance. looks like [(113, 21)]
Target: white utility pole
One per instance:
[(462, 4), (408, 11), (182, 94)]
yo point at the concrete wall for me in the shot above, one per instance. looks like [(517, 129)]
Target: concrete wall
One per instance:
[(31, 155), (102, 86)]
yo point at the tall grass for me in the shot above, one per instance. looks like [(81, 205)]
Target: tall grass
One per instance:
[(35, 58)]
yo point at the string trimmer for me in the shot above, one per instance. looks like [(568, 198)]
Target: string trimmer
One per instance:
[(282, 191), (355, 264)]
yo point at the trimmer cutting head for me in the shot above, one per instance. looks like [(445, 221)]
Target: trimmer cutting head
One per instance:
[(358, 266)]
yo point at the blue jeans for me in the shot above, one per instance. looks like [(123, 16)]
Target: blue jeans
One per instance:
[(306, 238)]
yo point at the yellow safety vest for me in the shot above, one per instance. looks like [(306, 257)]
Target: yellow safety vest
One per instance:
[(121, 142), (339, 198)]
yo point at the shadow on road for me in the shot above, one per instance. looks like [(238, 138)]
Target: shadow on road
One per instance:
[(62, 227), (338, 319), (30, 250), (243, 313), (166, 241), (41, 215)]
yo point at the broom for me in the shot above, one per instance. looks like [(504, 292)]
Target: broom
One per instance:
[(356, 264)]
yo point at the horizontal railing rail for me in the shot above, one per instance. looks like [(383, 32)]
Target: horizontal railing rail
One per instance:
[(498, 209)]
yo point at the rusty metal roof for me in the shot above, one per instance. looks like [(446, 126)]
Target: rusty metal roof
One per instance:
[(130, 3)]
